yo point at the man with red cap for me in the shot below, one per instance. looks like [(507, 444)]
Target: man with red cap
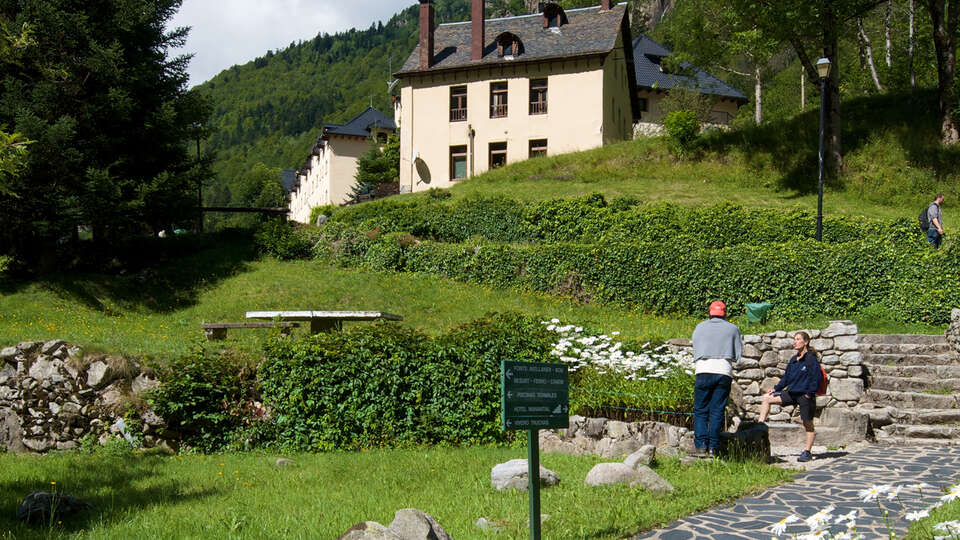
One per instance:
[(716, 346)]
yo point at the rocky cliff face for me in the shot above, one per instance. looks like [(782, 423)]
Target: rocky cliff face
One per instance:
[(52, 396)]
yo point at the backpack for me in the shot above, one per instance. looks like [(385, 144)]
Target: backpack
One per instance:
[(922, 218), (822, 389)]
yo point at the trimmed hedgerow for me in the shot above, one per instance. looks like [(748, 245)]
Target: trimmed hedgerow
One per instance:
[(388, 385), (591, 219), (802, 278)]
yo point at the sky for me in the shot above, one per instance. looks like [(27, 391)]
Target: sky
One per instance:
[(228, 32)]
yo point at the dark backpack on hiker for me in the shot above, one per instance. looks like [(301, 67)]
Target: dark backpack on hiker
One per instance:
[(922, 218)]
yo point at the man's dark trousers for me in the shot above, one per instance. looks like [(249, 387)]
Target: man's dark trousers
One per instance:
[(710, 394)]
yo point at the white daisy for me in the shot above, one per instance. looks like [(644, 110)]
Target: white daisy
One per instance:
[(918, 515), (873, 492), (781, 526)]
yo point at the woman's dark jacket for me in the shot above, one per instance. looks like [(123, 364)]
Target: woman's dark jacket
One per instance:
[(802, 376)]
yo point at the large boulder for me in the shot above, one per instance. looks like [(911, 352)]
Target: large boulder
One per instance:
[(644, 456), (369, 530), (651, 481), (413, 524), (41, 507), (603, 474), (851, 422), (513, 475)]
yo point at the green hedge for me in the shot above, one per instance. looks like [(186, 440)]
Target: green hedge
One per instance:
[(387, 385), (591, 219), (801, 278)]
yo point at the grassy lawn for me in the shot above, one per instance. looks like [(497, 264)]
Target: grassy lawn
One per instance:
[(120, 321), (322, 495)]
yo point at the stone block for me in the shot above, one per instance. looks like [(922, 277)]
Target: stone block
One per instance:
[(747, 363), (593, 427), (768, 383), (8, 353), (643, 456), (783, 343), (851, 422), (846, 389), (752, 374), (513, 475), (413, 524), (753, 389), (651, 481), (617, 430), (846, 343), (821, 344), (773, 372), (851, 358), (782, 334), (836, 373), (786, 355), (752, 338), (769, 359), (855, 371), (840, 328), (830, 360), (99, 374), (750, 351), (603, 474)]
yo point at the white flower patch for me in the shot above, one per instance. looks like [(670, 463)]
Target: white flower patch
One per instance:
[(602, 353)]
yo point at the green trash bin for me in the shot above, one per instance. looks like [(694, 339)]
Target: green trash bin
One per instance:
[(757, 312)]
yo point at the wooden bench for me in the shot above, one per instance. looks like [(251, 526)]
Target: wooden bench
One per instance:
[(217, 331), (324, 321)]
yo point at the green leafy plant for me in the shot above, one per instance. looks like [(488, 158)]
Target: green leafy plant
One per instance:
[(682, 128)]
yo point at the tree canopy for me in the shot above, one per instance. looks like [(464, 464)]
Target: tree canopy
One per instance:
[(91, 83)]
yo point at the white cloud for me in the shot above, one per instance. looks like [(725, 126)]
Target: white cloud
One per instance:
[(229, 32)]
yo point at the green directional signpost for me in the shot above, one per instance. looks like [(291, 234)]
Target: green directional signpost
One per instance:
[(534, 396)]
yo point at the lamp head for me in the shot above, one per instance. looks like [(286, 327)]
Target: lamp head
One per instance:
[(823, 67)]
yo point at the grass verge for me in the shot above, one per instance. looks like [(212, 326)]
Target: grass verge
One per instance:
[(322, 495)]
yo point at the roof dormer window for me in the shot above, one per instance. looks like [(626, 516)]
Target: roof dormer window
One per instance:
[(509, 46), (553, 16)]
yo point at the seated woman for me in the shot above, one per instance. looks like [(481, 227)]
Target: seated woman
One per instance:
[(798, 386)]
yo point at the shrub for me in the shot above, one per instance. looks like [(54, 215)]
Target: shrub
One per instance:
[(283, 240), (682, 129), (206, 399)]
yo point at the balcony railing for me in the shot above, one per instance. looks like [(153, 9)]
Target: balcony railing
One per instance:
[(458, 115), (498, 111), (538, 107)]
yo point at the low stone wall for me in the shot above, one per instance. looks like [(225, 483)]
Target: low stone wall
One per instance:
[(953, 331), (765, 358), (612, 438), (52, 396)]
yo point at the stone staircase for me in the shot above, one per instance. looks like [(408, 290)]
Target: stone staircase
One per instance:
[(913, 389)]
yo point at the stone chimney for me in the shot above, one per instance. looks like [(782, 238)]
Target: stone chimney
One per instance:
[(426, 33), (477, 31), (605, 5)]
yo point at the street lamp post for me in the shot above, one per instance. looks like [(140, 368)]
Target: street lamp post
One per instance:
[(823, 69)]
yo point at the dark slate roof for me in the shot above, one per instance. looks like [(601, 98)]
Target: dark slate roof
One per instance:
[(588, 32), (287, 178), (646, 56), (360, 126)]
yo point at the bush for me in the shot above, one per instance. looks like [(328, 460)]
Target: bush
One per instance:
[(207, 399), (283, 240), (682, 129), (387, 385)]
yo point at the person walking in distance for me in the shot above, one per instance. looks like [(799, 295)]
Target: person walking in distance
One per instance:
[(717, 344), (798, 386), (935, 218)]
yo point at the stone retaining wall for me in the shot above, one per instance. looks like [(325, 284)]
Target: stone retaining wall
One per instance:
[(765, 358), (612, 438), (52, 396)]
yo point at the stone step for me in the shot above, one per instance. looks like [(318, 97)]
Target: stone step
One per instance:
[(920, 339), (793, 435), (910, 400), (929, 371), (906, 348), (927, 416), (922, 431), (915, 384), (910, 359), (892, 440)]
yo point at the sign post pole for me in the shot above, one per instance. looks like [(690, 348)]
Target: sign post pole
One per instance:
[(534, 396), (533, 476)]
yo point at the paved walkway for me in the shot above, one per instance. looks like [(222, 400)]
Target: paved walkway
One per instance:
[(836, 482)]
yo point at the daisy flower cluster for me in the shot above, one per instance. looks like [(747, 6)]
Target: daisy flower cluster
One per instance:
[(601, 352), (824, 525)]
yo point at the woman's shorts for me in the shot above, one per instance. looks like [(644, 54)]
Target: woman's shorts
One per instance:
[(807, 406)]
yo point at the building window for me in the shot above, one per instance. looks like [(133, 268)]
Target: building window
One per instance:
[(538, 96), (538, 148), (498, 99), (458, 103), (642, 104), (498, 154), (458, 162), (509, 45), (554, 16)]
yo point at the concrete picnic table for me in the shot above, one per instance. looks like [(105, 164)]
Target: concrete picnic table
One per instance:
[(324, 321)]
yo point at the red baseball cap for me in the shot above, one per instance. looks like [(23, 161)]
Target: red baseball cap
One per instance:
[(718, 309)]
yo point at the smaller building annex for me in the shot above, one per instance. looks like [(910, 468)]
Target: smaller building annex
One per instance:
[(328, 174), (654, 83)]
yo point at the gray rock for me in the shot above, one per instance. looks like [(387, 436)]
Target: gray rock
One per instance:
[(513, 475), (846, 343), (851, 359), (39, 445), (50, 347), (783, 343), (846, 389), (753, 389), (769, 359), (28, 347), (750, 351), (752, 338), (643, 456), (603, 474), (651, 481), (617, 430), (142, 383), (852, 423), (152, 419), (11, 432), (830, 360), (612, 448), (821, 344), (99, 374), (840, 328), (593, 427), (41, 507), (413, 524), (837, 373), (44, 368), (321, 220), (369, 530), (855, 371), (746, 363), (751, 374), (666, 452), (283, 462), (8, 353), (485, 524)]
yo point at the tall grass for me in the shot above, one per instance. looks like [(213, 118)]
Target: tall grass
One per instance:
[(322, 495)]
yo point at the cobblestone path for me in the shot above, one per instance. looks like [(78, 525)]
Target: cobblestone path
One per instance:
[(834, 483)]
